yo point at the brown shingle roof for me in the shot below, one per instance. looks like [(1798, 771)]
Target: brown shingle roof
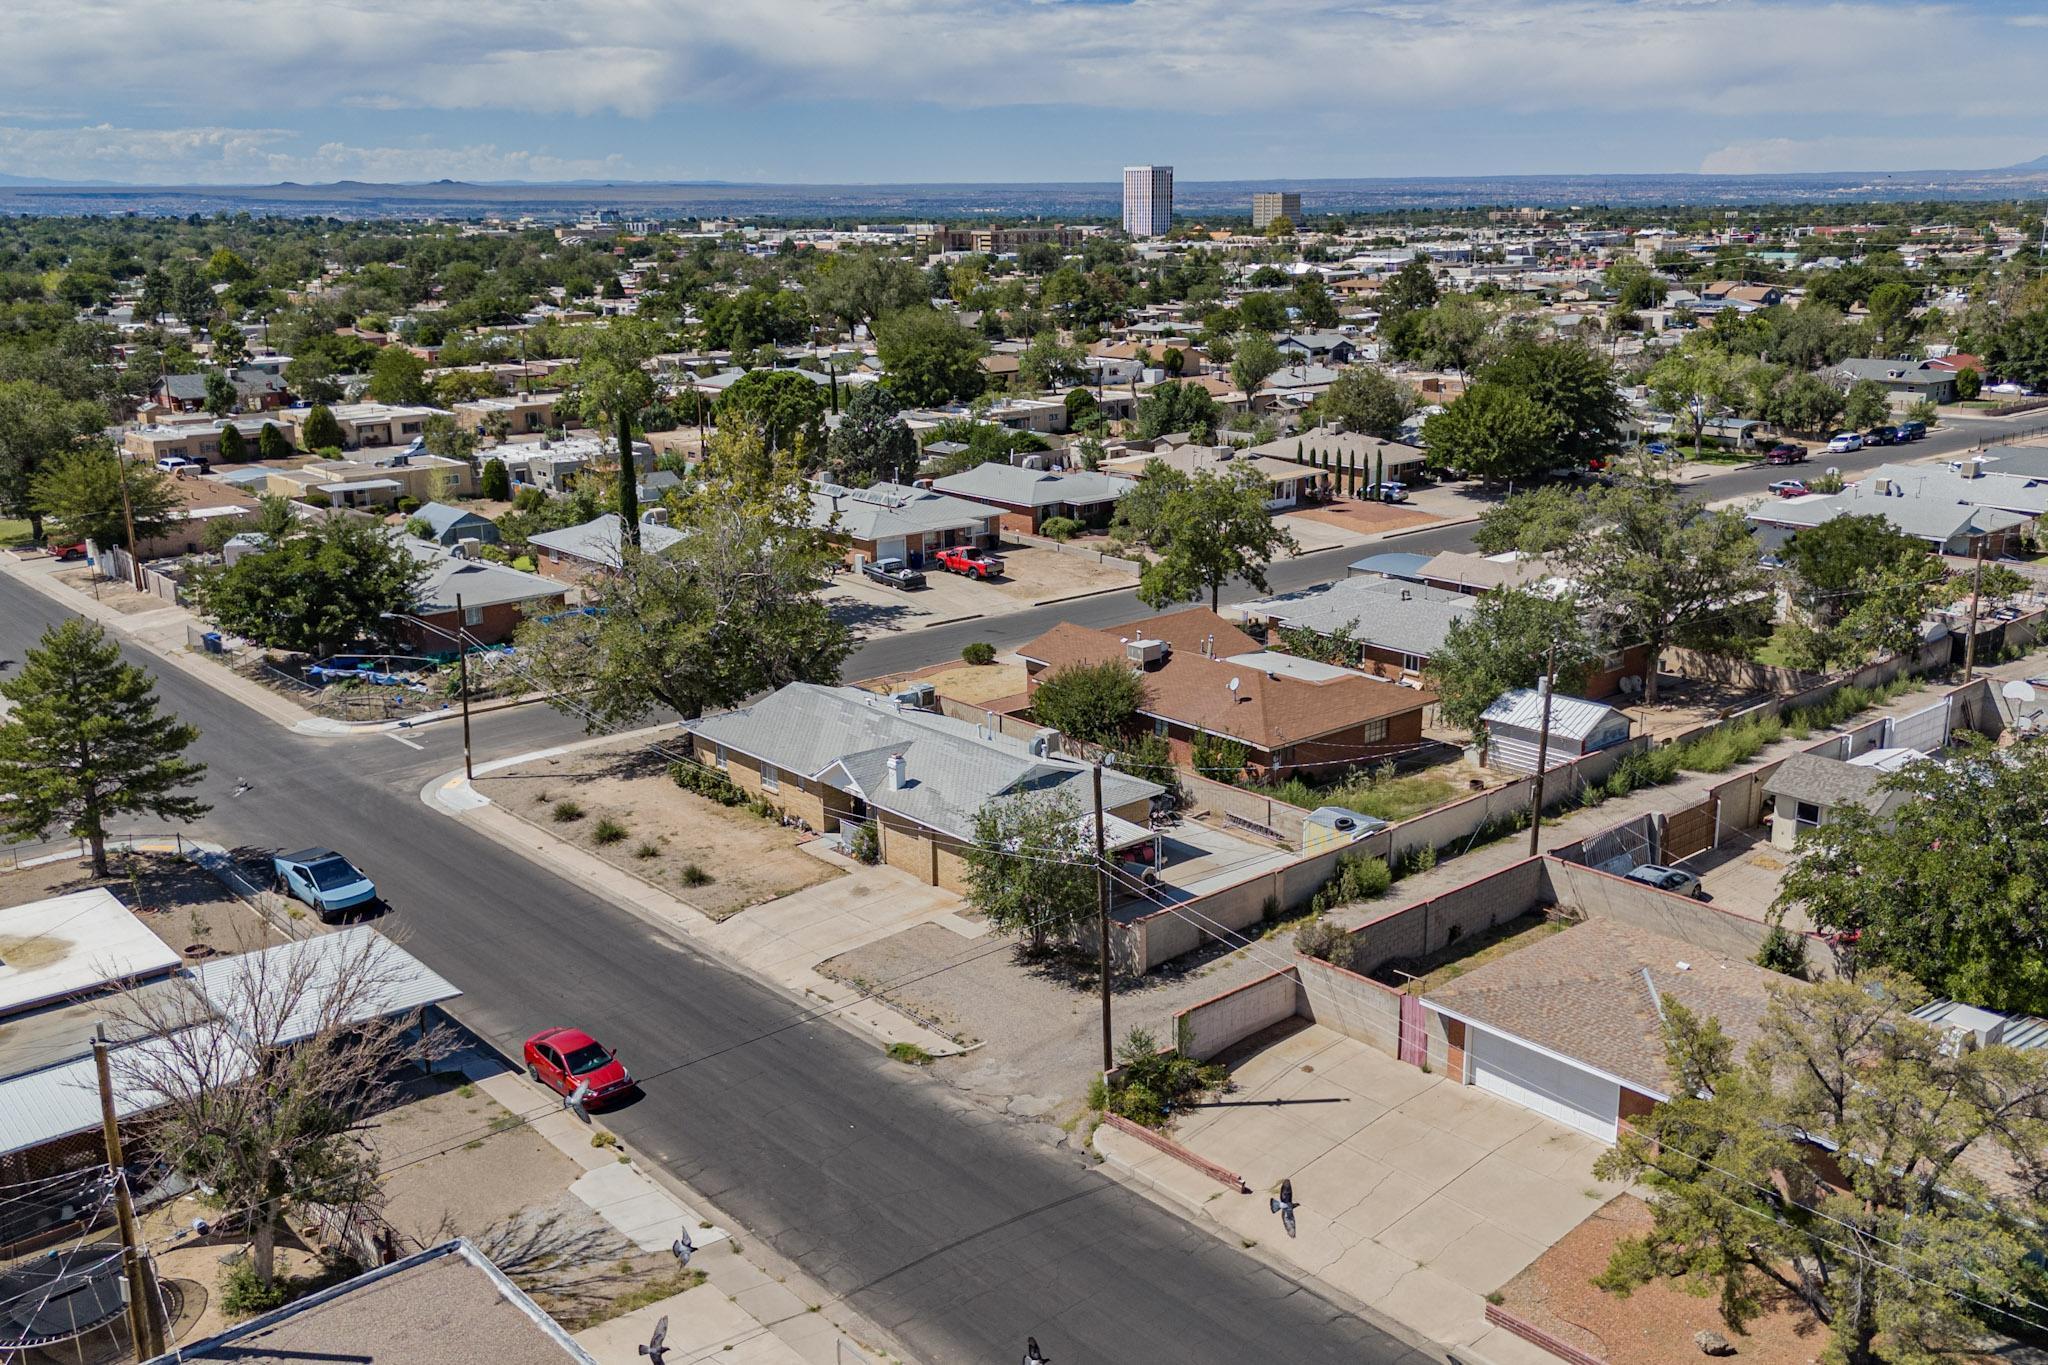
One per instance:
[(1583, 994), (1190, 688)]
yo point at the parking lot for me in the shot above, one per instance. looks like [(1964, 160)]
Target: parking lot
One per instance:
[(1032, 575)]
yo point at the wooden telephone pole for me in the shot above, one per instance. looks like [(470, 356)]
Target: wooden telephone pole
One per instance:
[(1542, 747), (1976, 590), (1102, 915), (143, 1325)]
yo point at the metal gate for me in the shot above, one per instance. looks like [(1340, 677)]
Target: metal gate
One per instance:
[(1414, 1044)]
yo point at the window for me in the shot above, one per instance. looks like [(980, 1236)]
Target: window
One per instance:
[(1806, 815), (1374, 732), (1411, 663), (718, 758), (472, 616), (1159, 726), (771, 778)]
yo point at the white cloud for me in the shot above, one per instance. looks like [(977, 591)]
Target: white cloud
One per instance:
[(635, 57), (262, 155)]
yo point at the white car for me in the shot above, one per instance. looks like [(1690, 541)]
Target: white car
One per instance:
[(171, 464), (1844, 442), (1675, 880)]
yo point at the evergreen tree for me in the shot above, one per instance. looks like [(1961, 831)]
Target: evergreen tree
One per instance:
[(273, 444), (85, 742), (233, 449), (322, 431)]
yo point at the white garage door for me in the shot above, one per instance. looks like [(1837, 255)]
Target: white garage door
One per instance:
[(1554, 1089)]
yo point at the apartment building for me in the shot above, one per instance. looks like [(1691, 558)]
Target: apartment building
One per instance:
[(1268, 205), (367, 424), (1148, 200)]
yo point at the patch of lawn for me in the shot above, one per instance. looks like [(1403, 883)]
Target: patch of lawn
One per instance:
[(14, 532), (1392, 799), (1477, 950)]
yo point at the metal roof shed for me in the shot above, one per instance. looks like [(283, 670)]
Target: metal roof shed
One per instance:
[(1578, 727)]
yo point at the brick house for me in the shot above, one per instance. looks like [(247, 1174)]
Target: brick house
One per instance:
[(495, 599), (838, 757), (1205, 677), (1028, 498), (896, 521)]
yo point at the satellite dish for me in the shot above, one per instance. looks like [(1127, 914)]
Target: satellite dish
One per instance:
[(1233, 686), (2017, 691)]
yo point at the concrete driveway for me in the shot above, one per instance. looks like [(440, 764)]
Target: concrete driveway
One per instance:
[(1418, 1196)]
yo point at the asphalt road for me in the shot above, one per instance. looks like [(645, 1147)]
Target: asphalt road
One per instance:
[(915, 649), (935, 1218)]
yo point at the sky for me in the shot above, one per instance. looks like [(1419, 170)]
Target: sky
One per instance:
[(836, 91)]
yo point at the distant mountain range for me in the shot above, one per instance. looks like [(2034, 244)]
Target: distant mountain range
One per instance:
[(682, 199)]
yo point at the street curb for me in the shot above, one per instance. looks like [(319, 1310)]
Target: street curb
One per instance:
[(1433, 526), (1092, 592), (1230, 1180), (1117, 1169)]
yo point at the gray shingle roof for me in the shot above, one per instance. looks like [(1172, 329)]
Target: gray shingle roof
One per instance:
[(892, 509), (1824, 781), (1407, 617), (597, 541), (1020, 487), (844, 737)]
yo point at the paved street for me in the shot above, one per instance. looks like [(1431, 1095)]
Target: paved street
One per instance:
[(930, 1215)]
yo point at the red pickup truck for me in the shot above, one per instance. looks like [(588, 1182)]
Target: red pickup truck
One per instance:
[(965, 559)]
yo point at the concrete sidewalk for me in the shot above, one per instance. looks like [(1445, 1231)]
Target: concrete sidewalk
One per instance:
[(1418, 1197)]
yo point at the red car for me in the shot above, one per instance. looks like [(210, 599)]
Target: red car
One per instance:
[(565, 1058), (965, 559), (66, 554)]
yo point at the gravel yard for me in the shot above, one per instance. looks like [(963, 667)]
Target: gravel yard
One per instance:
[(620, 804)]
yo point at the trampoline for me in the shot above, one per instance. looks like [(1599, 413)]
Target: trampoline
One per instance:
[(59, 1297)]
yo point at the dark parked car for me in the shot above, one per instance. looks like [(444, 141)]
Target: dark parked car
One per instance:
[(893, 573), (1881, 436), (1785, 452), (1912, 431)]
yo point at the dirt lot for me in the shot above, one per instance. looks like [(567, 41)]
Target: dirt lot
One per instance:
[(1654, 1325), (739, 858), (1684, 703), (120, 597), (183, 905), (1369, 518), (969, 683)]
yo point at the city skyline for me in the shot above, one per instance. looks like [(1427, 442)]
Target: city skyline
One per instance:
[(792, 92)]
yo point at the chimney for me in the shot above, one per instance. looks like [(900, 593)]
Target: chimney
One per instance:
[(896, 772)]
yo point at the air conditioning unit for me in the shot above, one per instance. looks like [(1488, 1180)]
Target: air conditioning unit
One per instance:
[(1147, 654)]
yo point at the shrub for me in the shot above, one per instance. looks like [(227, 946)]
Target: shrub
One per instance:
[(1355, 879), (1218, 759), (910, 1054), (708, 782), (866, 845), (1150, 758), (565, 811), (243, 1295), (979, 653), (408, 506), (1783, 951), (647, 850), (1152, 1082), (607, 831), (693, 875), (1060, 528), (1320, 938)]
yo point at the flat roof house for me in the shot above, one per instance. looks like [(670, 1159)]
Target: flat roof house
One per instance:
[(1571, 1025), (367, 424), (1028, 498), (838, 757), (897, 521), (1205, 677)]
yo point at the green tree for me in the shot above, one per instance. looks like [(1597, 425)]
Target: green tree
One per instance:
[(1255, 361), (1094, 703), (1858, 587), (230, 349), (1866, 404), (1573, 383), (1410, 289), (1031, 868), (1368, 401), (84, 742), (321, 431), (872, 441), (856, 287), (398, 376), (1502, 645), (37, 424), (1803, 403), (442, 435), (316, 590), (731, 609), (1944, 886), (1049, 363), (1176, 406), (1492, 433), (1203, 531), (1698, 383), (220, 394), (81, 490), (1654, 569), (1895, 1258), (1968, 383), (273, 444), (929, 357), (233, 449), (611, 388), (227, 267), (496, 481), (785, 406), (1453, 335)]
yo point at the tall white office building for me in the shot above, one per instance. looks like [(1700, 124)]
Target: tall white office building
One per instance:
[(1148, 200)]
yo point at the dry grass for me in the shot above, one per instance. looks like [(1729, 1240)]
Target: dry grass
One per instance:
[(750, 859), (1465, 954)]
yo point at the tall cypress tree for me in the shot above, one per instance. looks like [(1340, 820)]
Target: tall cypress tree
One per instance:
[(629, 483)]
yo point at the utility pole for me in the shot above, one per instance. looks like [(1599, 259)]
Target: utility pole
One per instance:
[(142, 1324), (462, 681), (1102, 918), (128, 517), (1542, 746), (1970, 640)]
